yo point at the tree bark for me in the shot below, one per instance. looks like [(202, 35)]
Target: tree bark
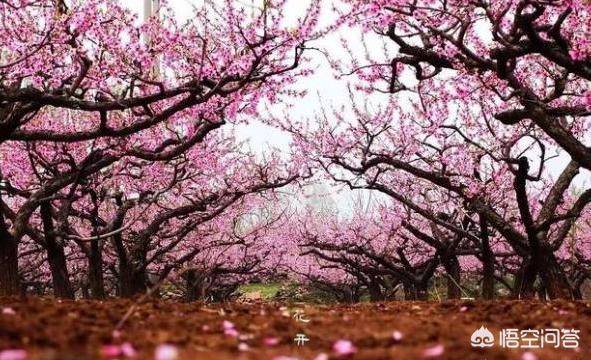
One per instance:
[(543, 263), (452, 268), (553, 277), (422, 292), (194, 286), (409, 293), (62, 288), (375, 293), (9, 277), (95, 271), (525, 280), (488, 262), (131, 281), (416, 292)]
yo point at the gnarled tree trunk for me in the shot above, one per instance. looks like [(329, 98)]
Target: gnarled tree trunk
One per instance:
[(488, 262), (193, 286), (542, 263), (525, 280), (9, 278), (95, 271), (453, 270), (131, 281), (375, 292), (56, 256), (553, 277), (418, 291)]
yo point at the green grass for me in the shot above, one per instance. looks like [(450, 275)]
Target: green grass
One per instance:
[(268, 291)]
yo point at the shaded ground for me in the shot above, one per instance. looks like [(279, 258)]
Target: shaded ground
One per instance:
[(77, 330)]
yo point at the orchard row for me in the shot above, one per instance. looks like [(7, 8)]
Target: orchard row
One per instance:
[(122, 173)]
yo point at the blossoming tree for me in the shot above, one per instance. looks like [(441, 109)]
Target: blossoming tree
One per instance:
[(82, 92), (481, 91)]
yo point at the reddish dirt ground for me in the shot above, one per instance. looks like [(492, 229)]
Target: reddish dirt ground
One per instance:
[(77, 330)]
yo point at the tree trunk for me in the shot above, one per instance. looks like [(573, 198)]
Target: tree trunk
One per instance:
[(416, 292), (553, 278), (422, 292), (194, 286), (9, 278), (452, 268), (577, 286), (95, 271), (62, 288), (525, 280), (84, 290), (375, 293), (488, 262), (131, 282), (543, 262), (409, 293)]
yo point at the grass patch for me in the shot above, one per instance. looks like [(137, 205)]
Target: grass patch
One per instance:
[(268, 291)]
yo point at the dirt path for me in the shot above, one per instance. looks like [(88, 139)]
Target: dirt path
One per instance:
[(78, 330)]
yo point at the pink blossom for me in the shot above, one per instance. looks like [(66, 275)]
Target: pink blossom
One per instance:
[(110, 351), (229, 329), (125, 349), (244, 337), (577, 55), (344, 348), (321, 356), (434, 351), (8, 311), (13, 354), (528, 355), (270, 341), (243, 347), (231, 332), (128, 350), (227, 325), (166, 352), (397, 335)]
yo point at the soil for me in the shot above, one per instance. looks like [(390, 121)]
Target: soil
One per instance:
[(64, 330)]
